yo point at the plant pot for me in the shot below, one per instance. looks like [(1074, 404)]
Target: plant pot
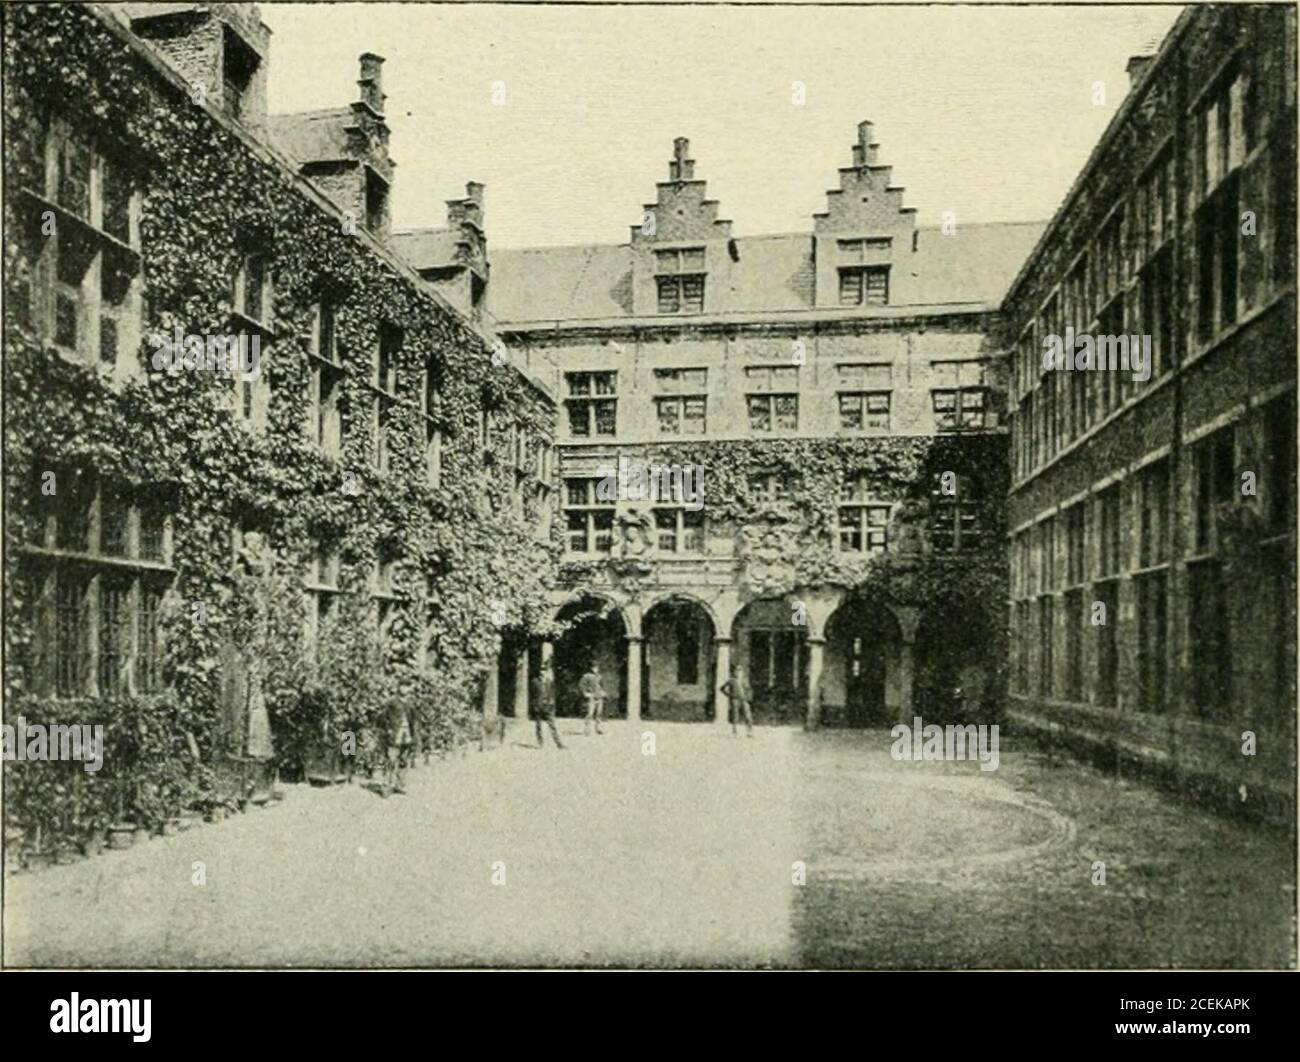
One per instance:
[(141, 835), (171, 827), (93, 844), (187, 822), (35, 860), (216, 814), (66, 854), (121, 835), (13, 859)]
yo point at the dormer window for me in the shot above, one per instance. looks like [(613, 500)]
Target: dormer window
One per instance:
[(864, 286), (376, 201), (679, 276), (238, 65)]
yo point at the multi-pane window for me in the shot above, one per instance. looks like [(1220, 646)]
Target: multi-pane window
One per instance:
[(321, 583), (383, 384), (327, 376), (588, 518), (1218, 231), (1213, 461), (679, 530), (1153, 542), (592, 403), (679, 526), (1109, 537), (960, 396), (863, 265), (96, 589), (239, 63), (864, 392), (954, 517), (79, 280), (682, 402), (773, 398), (863, 518), (864, 286), (679, 278), (772, 486), (776, 661), (251, 314), (432, 409)]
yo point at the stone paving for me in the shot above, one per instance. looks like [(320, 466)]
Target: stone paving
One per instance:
[(602, 854)]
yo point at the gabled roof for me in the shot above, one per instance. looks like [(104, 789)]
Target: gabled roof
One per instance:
[(313, 136), (427, 248), (771, 274)]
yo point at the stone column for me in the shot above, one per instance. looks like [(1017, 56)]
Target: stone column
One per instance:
[(721, 672), (491, 716), (906, 667), (812, 719), (521, 685), (633, 683)]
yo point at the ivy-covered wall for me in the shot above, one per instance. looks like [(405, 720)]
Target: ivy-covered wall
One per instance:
[(210, 196)]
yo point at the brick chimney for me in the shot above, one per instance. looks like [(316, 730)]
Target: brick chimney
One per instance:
[(371, 81), (681, 168)]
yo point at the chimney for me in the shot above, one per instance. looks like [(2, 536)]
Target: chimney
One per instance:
[(681, 168), (864, 151), (1137, 68), (372, 81)]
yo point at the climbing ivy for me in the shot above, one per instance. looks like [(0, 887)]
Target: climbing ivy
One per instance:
[(209, 198)]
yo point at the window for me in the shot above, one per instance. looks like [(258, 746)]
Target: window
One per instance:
[(1218, 226), (592, 403), (1278, 490), (239, 63), (589, 519), (323, 594), (1075, 619), (864, 397), (96, 584), (679, 530), (680, 408), (772, 486), (383, 384), (1109, 554), (954, 518), (80, 283), (1220, 132), (376, 201), (1152, 640), (864, 286), (863, 518), (1153, 543), (1210, 688), (1157, 310), (679, 277), (327, 375), (251, 290), (1214, 464), (960, 397), (1046, 643), (432, 408), (1107, 595), (773, 401)]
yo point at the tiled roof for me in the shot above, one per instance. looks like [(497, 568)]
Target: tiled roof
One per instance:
[(311, 136), (771, 274), (427, 248)]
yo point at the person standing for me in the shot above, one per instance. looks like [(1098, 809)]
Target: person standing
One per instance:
[(399, 742), (593, 690), (543, 698), (737, 690)]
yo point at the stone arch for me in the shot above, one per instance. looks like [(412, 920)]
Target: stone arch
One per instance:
[(678, 677)]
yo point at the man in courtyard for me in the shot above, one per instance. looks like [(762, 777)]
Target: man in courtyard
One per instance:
[(737, 690), (543, 698), (593, 691)]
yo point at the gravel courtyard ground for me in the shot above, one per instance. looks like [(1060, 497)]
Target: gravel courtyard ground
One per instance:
[(604, 854)]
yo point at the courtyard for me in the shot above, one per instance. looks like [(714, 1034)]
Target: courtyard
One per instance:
[(670, 844)]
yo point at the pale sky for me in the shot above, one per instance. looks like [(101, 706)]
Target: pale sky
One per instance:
[(986, 111)]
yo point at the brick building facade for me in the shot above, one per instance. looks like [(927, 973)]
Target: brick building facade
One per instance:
[(1152, 523)]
